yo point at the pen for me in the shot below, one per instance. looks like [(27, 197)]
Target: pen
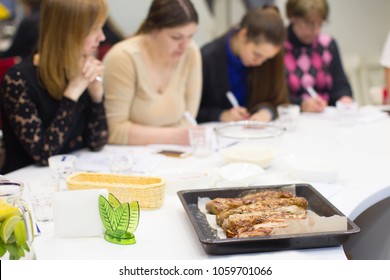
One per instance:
[(232, 99), (312, 92), (190, 118)]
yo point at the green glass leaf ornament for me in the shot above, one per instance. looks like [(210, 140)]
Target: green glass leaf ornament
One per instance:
[(113, 200), (106, 213), (122, 218), (119, 219), (134, 216)]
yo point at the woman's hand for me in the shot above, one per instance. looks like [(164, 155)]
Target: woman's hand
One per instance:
[(234, 114), (93, 70), (346, 99), (183, 136), (90, 69), (263, 115), (316, 105)]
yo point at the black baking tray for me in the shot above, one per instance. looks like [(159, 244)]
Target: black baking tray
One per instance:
[(217, 246)]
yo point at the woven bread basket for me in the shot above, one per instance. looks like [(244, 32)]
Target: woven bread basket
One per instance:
[(148, 191)]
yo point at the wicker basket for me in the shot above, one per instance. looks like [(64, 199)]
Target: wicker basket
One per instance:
[(148, 191)]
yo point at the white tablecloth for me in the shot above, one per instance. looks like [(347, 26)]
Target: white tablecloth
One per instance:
[(360, 153)]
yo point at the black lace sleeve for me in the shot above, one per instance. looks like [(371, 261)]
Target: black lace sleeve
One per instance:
[(97, 127), (39, 141)]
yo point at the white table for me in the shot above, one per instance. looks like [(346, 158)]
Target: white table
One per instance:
[(361, 154)]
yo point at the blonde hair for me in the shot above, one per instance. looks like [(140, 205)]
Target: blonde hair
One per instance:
[(305, 8), (63, 27)]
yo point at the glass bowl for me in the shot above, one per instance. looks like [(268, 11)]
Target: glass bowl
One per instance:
[(249, 141)]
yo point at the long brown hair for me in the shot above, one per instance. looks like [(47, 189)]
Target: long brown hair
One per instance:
[(267, 81), (63, 27), (168, 14)]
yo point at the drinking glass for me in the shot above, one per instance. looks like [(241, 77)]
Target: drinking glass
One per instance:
[(288, 115), (121, 163), (200, 141), (61, 166), (41, 196)]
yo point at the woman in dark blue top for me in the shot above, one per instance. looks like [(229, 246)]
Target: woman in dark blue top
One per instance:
[(248, 61)]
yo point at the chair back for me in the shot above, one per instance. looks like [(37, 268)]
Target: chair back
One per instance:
[(5, 63)]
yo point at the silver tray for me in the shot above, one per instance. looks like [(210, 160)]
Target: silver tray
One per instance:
[(215, 245)]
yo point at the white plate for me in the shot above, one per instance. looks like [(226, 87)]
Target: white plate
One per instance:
[(240, 172), (312, 170), (177, 180)]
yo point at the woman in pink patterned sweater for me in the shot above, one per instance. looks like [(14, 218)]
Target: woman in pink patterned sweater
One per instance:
[(312, 58)]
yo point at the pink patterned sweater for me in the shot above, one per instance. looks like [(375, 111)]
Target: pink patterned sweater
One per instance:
[(317, 65)]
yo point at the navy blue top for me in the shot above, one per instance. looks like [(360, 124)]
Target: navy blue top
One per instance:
[(237, 73)]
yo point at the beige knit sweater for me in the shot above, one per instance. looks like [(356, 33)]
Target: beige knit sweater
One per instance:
[(130, 97)]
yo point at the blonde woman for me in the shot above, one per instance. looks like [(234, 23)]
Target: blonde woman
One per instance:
[(152, 78), (52, 104)]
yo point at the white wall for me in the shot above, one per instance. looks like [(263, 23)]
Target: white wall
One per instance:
[(129, 14), (360, 27)]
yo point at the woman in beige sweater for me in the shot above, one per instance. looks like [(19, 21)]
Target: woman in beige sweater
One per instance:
[(152, 78)]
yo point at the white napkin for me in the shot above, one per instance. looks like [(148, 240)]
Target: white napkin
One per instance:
[(365, 115), (370, 114), (76, 213)]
